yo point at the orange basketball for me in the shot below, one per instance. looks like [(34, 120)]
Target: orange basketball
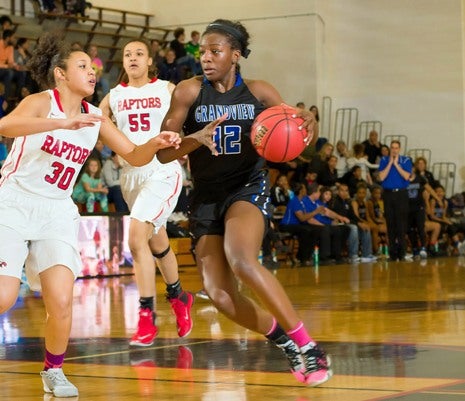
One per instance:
[(276, 136)]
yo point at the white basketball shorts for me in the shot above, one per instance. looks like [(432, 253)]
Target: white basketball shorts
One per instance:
[(37, 233), (152, 194)]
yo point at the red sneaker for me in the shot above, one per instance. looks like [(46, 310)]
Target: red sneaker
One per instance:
[(182, 309), (185, 358), (146, 329)]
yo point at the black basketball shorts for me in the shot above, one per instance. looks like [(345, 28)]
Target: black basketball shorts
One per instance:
[(208, 218)]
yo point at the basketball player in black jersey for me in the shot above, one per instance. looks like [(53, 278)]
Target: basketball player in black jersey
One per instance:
[(230, 200)]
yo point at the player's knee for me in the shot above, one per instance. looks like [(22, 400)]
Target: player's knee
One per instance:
[(137, 245), (9, 289), (220, 298), (61, 308), (243, 269), (60, 314), (6, 302)]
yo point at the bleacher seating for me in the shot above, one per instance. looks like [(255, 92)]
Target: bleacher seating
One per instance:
[(445, 173), (365, 127), (108, 28), (346, 122), (182, 248), (420, 152)]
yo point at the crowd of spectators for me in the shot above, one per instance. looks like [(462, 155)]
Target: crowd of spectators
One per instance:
[(374, 201), (98, 188), (349, 177), (68, 7), (173, 60)]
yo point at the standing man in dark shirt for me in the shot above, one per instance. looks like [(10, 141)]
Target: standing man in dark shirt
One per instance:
[(177, 44), (183, 59), (394, 172), (372, 148)]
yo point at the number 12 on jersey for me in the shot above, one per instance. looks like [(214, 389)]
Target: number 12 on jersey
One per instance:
[(228, 139)]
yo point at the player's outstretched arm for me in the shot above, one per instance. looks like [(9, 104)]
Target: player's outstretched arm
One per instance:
[(183, 97), (136, 155), (30, 117)]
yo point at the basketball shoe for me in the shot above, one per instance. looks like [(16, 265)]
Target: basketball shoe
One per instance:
[(182, 306), (293, 355), (146, 329), (185, 358), (317, 365), (202, 294), (55, 382)]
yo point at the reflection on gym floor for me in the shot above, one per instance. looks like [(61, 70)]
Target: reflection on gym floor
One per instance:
[(394, 331)]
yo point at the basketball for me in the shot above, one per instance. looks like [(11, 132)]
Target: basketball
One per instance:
[(276, 136)]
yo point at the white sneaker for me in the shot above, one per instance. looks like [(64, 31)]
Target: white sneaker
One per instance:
[(202, 294), (461, 248), (423, 253), (56, 382), (368, 259), (354, 259)]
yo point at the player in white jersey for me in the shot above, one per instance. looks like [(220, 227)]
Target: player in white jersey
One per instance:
[(138, 105), (54, 132)]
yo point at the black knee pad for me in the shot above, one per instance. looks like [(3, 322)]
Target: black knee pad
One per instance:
[(162, 254)]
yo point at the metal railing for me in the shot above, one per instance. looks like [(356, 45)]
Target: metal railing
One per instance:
[(401, 138), (345, 125), (365, 127), (445, 173), (420, 152), (325, 117)]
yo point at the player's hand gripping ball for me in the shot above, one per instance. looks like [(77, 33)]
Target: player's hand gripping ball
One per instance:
[(276, 136)]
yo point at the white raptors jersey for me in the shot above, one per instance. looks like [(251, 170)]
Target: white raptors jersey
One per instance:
[(48, 163), (139, 112)]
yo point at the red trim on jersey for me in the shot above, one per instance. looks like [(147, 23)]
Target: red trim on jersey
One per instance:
[(11, 160), (18, 159), (85, 106), (178, 181), (56, 94), (159, 214)]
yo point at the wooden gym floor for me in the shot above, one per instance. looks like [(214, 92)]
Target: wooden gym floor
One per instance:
[(396, 331)]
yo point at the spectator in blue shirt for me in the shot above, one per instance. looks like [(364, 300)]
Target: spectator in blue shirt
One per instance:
[(295, 221), (333, 235), (394, 173)]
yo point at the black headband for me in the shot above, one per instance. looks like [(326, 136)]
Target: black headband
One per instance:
[(235, 33)]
